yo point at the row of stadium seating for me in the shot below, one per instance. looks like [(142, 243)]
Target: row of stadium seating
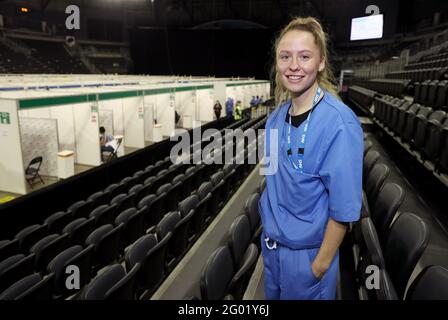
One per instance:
[(423, 129), (229, 268), (392, 235), (427, 64), (439, 73), (432, 93), (394, 87), (166, 204)]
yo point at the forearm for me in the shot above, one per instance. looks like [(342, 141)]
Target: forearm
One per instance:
[(333, 237)]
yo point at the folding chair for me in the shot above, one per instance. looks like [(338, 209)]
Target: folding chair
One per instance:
[(113, 155), (32, 171)]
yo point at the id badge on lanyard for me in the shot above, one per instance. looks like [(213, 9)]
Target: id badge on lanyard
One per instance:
[(301, 150)]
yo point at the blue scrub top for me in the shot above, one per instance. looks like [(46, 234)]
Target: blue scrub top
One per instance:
[(295, 206)]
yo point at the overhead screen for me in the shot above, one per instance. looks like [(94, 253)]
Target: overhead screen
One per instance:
[(370, 27)]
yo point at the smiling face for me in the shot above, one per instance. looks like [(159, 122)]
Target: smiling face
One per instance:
[(298, 61)]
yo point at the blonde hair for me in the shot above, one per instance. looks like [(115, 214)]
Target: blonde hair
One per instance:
[(325, 78)]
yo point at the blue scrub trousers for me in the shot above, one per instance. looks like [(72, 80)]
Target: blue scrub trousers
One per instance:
[(288, 275)]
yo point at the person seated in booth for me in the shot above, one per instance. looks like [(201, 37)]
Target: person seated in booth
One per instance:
[(107, 142)]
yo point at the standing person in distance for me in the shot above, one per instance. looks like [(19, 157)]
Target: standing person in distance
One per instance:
[(217, 109)]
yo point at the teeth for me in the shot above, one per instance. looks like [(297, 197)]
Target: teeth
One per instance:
[(295, 77)]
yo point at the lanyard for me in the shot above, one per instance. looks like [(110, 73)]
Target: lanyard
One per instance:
[(301, 151)]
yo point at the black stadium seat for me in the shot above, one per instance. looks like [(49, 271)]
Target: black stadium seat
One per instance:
[(410, 127), (15, 268), (104, 214), (31, 287), (409, 236), (30, 235), (112, 284), (251, 210), (150, 251), (389, 199), (244, 255), (441, 95), (203, 213), (371, 157), (421, 125), (99, 198), (432, 148), (395, 115), (115, 189), (47, 248), (133, 225), (57, 221), (80, 209), (106, 242), (375, 181), (73, 256), (443, 162), (123, 201), (432, 91), (402, 117), (430, 284), (371, 254), (185, 207), (79, 229), (217, 274), (8, 248), (367, 146)]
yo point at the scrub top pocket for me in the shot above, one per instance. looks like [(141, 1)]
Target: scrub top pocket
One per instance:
[(304, 191)]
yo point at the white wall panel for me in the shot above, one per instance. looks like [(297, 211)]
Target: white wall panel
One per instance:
[(39, 113), (133, 122), (87, 133), (66, 126), (116, 105), (165, 105), (149, 109), (12, 174), (106, 120), (205, 104), (40, 139), (183, 105)]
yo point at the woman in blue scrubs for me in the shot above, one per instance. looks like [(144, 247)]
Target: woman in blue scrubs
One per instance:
[(317, 188)]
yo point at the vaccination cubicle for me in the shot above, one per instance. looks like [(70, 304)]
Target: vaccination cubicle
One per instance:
[(68, 118)]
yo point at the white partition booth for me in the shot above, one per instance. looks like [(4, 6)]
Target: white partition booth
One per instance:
[(245, 90), (64, 119), (11, 170)]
